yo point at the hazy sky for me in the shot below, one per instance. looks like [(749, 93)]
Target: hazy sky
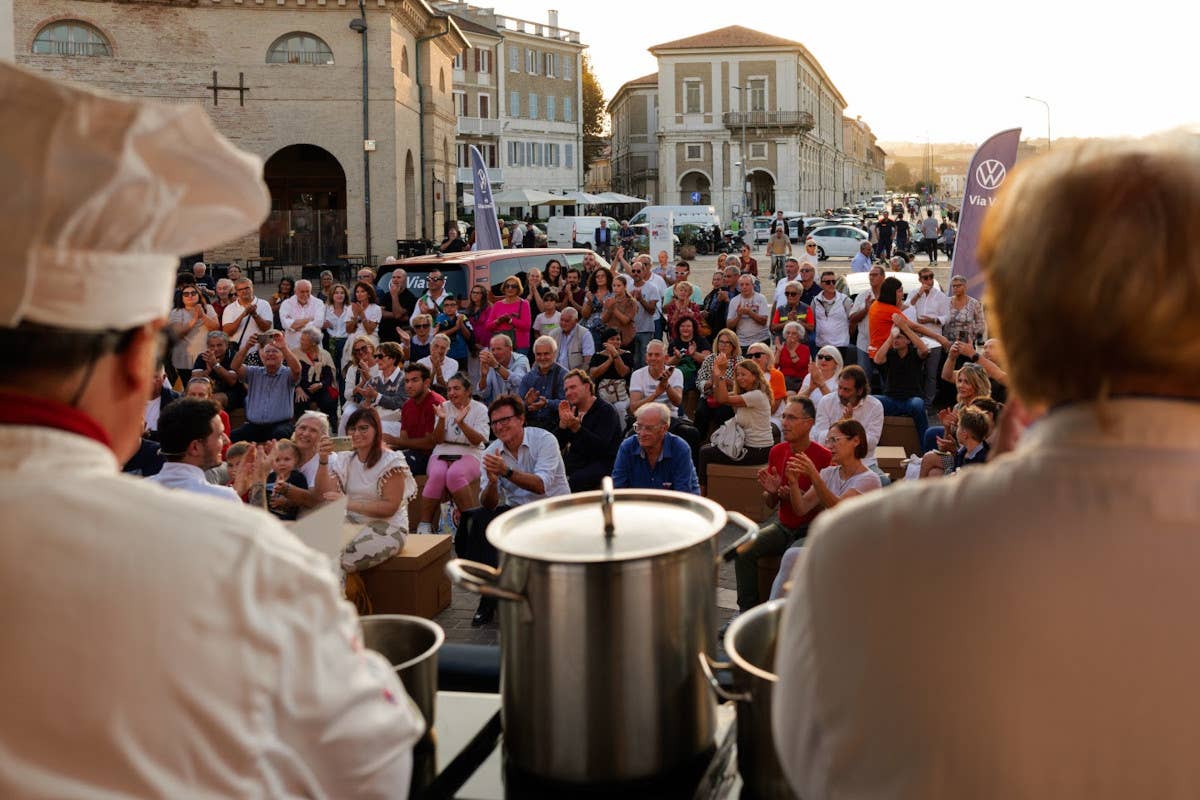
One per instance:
[(954, 71)]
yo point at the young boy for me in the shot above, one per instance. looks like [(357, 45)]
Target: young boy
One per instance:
[(456, 326), (973, 429), (547, 321)]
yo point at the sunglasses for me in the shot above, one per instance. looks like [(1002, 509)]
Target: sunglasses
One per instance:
[(824, 358), (791, 294), (758, 355), (190, 294), (420, 327), (829, 283), (379, 356), (437, 280)]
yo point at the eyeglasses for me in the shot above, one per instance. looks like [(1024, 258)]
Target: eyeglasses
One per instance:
[(511, 286), (380, 355), (926, 277), (791, 294), (362, 429), (361, 350), (835, 439), (811, 244), (809, 270), (496, 423), (829, 283), (758, 355), (420, 327), (190, 293), (824, 358)]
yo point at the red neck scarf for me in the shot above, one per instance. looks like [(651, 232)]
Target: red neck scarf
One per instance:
[(23, 409)]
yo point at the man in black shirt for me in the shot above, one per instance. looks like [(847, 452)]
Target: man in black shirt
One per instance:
[(885, 228), (902, 233), (397, 304), (589, 431), (901, 358)]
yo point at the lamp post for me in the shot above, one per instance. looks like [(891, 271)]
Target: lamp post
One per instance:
[(1047, 105), (745, 155)]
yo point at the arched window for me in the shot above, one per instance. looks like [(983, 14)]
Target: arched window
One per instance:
[(404, 59), (299, 48), (70, 37)]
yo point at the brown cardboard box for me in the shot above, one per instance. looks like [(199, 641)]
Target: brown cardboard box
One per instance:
[(413, 582), (736, 489), (889, 459), (900, 432)]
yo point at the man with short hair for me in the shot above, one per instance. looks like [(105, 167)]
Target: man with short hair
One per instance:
[(683, 272), (300, 311), (780, 487), (249, 310), (626, 236), (791, 273), (646, 296), (858, 315), (431, 302), (902, 232), (657, 382), (418, 416), (224, 296), (902, 358), (269, 393), (885, 228), (748, 314), (929, 306), (191, 437), (575, 345), (809, 288), (863, 261), (500, 370), (589, 431), (521, 465), (780, 222), (542, 387), (200, 273), (852, 400), (602, 237), (397, 304), (654, 458), (929, 236), (831, 318)]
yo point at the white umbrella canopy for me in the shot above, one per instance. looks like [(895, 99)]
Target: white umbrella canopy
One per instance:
[(586, 199), (530, 197), (615, 197)]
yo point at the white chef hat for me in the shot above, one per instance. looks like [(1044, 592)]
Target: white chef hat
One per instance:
[(101, 197)]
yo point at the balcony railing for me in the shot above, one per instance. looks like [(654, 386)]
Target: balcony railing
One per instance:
[(495, 175), (799, 120), (478, 126)]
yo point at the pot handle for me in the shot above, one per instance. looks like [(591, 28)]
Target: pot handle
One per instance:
[(707, 665), (744, 541), (479, 578)]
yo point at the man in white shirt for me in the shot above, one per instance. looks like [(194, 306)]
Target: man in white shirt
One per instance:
[(863, 261), (246, 312), (191, 438), (748, 313), (931, 308), (300, 311), (646, 297), (656, 382), (852, 400), (831, 316)]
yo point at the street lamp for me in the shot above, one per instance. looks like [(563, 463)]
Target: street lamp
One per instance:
[(1047, 105), (745, 155)]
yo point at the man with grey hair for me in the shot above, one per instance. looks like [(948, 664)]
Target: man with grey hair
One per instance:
[(299, 312), (500, 369), (204, 280), (575, 344), (542, 387), (224, 295), (655, 458), (863, 261)]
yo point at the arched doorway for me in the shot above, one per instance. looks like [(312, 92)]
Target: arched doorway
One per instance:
[(307, 224), (410, 197), (762, 192), (695, 189)]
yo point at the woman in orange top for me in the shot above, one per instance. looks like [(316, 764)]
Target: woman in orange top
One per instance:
[(880, 314)]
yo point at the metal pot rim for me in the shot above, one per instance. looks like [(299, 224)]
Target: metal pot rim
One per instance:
[(766, 609), (439, 635), (498, 531)]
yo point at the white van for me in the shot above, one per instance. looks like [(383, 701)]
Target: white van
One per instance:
[(705, 216), (565, 231)]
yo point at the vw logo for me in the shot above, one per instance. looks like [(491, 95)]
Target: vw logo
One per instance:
[(990, 174)]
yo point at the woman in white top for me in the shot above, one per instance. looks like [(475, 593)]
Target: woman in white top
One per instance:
[(190, 322), (338, 313), (810, 254), (846, 477), (377, 485), (440, 365), (365, 314), (822, 374), (460, 433), (751, 404), (361, 355)]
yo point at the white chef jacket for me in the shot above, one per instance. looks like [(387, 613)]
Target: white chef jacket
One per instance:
[(188, 478), (1026, 629), (166, 644)]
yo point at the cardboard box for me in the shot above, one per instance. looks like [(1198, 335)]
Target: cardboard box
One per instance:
[(736, 488), (415, 580), (900, 432), (889, 459)]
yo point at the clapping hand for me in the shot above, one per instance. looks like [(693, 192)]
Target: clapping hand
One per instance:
[(567, 418), (534, 400), (494, 465), (769, 480), (720, 363)]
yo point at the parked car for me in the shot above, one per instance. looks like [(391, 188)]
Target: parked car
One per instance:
[(762, 229), (489, 267), (838, 241)]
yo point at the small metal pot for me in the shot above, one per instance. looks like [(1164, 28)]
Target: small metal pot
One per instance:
[(750, 643), (608, 599), (411, 645)]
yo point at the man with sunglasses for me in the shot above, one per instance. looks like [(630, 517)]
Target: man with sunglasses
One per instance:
[(831, 318), (180, 605), (431, 302)]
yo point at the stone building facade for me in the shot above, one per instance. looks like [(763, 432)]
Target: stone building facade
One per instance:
[(862, 168), (712, 93), (288, 77)]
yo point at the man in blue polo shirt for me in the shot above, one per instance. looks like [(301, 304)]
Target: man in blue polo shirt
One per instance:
[(655, 458)]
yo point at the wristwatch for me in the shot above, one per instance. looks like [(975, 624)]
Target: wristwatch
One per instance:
[(508, 473)]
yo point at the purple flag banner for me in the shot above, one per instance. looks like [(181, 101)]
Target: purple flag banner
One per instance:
[(989, 167), (487, 228)]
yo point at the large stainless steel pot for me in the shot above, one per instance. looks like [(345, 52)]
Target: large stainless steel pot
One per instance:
[(410, 644), (599, 632), (750, 643)]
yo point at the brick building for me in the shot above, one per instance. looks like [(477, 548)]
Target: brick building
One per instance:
[(288, 78)]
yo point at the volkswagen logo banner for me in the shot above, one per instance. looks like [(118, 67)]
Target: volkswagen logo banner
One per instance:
[(989, 167)]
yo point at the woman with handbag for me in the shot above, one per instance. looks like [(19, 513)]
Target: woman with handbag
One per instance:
[(610, 369), (710, 413), (747, 437)]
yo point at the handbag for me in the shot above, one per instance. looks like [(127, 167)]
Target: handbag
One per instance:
[(612, 390), (730, 439)]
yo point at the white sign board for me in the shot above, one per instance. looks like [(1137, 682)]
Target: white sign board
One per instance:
[(662, 225)]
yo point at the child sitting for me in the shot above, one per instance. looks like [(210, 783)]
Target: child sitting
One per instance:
[(286, 459), (456, 326), (547, 321)]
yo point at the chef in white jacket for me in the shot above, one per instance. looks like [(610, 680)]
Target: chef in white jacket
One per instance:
[(1028, 629), (155, 643)]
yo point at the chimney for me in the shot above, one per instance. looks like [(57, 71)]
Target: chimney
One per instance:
[(553, 22)]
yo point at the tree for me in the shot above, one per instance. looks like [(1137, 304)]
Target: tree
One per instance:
[(592, 115), (899, 177)]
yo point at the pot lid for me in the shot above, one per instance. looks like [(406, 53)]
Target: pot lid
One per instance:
[(645, 523)]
